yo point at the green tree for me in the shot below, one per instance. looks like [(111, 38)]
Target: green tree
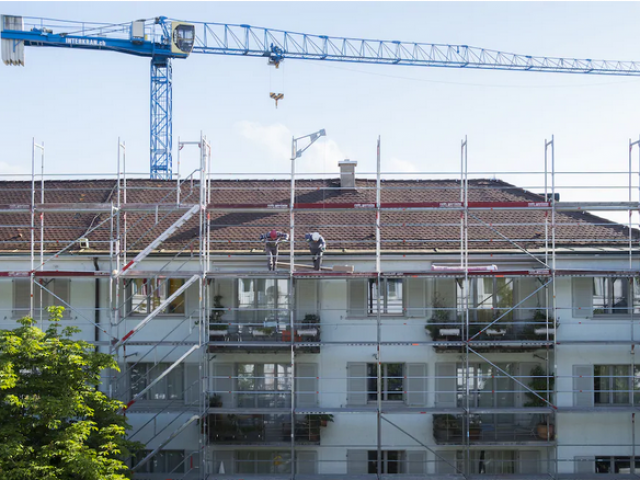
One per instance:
[(54, 422)]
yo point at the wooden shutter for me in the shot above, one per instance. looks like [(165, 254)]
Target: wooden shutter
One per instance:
[(584, 465), (528, 462), (356, 384), (582, 297), (61, 288), (306, 385), (357, 462), (306, 298), (416, 462), (307, 463), (416, 386), (222, 383), (192, 384), (223, 463), (416, 302), (445, 462), (446, 385), (357, 297), (21, 296), (583, 386)]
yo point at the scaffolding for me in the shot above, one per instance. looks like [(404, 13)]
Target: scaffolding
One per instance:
[(241, 375)]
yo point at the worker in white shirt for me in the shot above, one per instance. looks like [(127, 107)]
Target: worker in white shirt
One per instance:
[(317, 245)]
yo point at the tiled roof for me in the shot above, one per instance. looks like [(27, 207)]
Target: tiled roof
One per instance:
[(344, 230)]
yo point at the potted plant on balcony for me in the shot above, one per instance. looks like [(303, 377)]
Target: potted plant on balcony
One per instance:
[(446, 427), (539, 397), (437, 324), (264, 331), (539, 327), (216, 327), (310, 325), (314, 422)]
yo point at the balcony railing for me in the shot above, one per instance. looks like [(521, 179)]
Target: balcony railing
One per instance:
[(266, 338), (261, 429), (493, 428), (522, 336)]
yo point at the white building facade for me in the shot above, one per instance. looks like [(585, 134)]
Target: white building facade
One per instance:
[(508, 353)]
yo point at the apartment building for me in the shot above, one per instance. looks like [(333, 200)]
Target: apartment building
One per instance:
[(483, 331)]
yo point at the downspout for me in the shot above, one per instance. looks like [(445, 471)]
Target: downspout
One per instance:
[(96, 308)]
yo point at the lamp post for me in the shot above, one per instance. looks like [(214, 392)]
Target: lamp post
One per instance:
[(295, 154)]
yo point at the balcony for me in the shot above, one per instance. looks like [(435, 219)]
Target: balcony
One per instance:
[(501, 428), (262, 429), (273, 335)]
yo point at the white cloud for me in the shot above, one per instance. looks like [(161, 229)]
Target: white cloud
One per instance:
[(6, 168), (399, 165)]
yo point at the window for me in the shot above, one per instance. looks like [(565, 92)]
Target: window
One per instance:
[(392, 461), (489, 298), (392, 381), (170, 387), (264, 385), (263, 300), (616, 295), (488, 386), (46, 293), (165, 461), (615, 385), (491, 462), (624, 465), (146, 294), (389, 291), (263, 462)]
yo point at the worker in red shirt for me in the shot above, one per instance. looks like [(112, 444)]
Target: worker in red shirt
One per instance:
[(271, 240)]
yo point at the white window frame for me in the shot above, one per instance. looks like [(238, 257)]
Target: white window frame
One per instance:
[(495, 310), (164, 286), (385, 302), (372, 463), (372, 396), (606, 287), (159, 463), (264, 385), (634, 463), (632, 380), (256, 311), (151, 372)]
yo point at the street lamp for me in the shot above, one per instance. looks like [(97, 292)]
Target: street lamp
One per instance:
[(295, 153)]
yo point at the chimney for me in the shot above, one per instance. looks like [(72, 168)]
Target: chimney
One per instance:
[(348, 174)]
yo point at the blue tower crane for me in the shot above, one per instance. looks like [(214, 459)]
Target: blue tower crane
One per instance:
[(163, 39)]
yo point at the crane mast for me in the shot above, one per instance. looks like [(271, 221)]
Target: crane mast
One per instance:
[(163, 39)]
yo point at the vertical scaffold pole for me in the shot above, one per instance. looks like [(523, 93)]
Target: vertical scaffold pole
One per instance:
[(378, 320), (464, 259), (36, 147)]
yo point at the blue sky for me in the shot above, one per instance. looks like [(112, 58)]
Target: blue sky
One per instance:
[(80, 102)]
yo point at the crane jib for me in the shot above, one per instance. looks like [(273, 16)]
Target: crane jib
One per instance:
[(162, 39)]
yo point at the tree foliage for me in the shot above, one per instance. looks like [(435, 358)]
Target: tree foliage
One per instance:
[(54, 422)]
